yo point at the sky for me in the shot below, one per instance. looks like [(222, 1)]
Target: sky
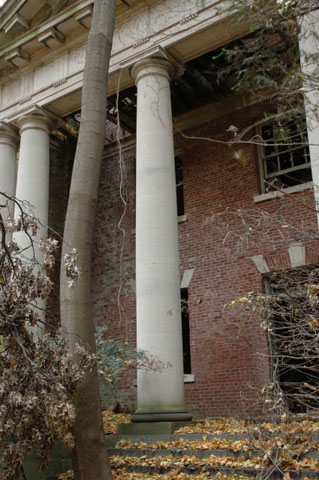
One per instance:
[(2, 2)]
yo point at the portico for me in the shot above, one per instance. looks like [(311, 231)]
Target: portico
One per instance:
[(47, 69), (40, 80)]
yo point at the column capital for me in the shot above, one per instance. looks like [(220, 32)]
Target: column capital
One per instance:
[(159, 63), (8, 134), (39, 119), (35, 121)]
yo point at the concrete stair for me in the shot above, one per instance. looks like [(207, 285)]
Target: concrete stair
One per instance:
[(214, 455)]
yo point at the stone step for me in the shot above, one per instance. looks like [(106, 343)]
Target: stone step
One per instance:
[(186, 458), (177, 452), (113, 439), (270, 473), (200, 453)]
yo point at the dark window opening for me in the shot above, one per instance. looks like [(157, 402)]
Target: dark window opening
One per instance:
[(179, 184), (293, 335), (185, 331)]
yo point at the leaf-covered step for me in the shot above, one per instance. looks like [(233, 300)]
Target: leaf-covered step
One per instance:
[(123, 474), (114, 439), (280, 462), (293, 445), (176, 452), (208, 472)]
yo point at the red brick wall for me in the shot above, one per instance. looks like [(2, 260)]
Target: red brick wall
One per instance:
[(223, 348), (61, 161), (228, 348), (112, 308)]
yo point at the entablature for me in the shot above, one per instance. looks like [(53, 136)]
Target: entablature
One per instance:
[(52, 77)]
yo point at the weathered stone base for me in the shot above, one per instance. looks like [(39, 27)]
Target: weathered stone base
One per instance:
[(149, 428), (162, 416)]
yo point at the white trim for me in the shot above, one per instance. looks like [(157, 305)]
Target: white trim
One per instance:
[(182, 218), (187, 277), (297, 254), (277, 194), (260, 263)]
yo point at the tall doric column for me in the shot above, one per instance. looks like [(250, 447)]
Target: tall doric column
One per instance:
[(33, 181), (8, 165), (309, 47), (160, 393)]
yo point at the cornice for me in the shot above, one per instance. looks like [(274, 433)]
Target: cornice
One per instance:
[(6, 6), (53, 77), (45, 26)]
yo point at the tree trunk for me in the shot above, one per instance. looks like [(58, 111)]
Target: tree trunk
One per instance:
[(90, 458)]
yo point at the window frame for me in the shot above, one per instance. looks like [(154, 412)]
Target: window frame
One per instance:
[(262, 157)]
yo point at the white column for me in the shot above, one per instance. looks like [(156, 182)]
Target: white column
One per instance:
[(33, 182), (8, 166), (160, 394), (309, 53)]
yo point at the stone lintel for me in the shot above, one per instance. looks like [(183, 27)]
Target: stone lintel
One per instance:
[(260, 263), (297, 254), (187, 276)]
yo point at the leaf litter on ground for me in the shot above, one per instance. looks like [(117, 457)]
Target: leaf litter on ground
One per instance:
[(288, 442)]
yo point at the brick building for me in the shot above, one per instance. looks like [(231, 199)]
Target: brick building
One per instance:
[(163, 57)]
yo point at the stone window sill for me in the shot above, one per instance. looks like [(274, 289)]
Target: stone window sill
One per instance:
[(269, 195), (182, 218)]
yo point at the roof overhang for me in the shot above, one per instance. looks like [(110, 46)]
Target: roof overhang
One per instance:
[(26, 26)]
